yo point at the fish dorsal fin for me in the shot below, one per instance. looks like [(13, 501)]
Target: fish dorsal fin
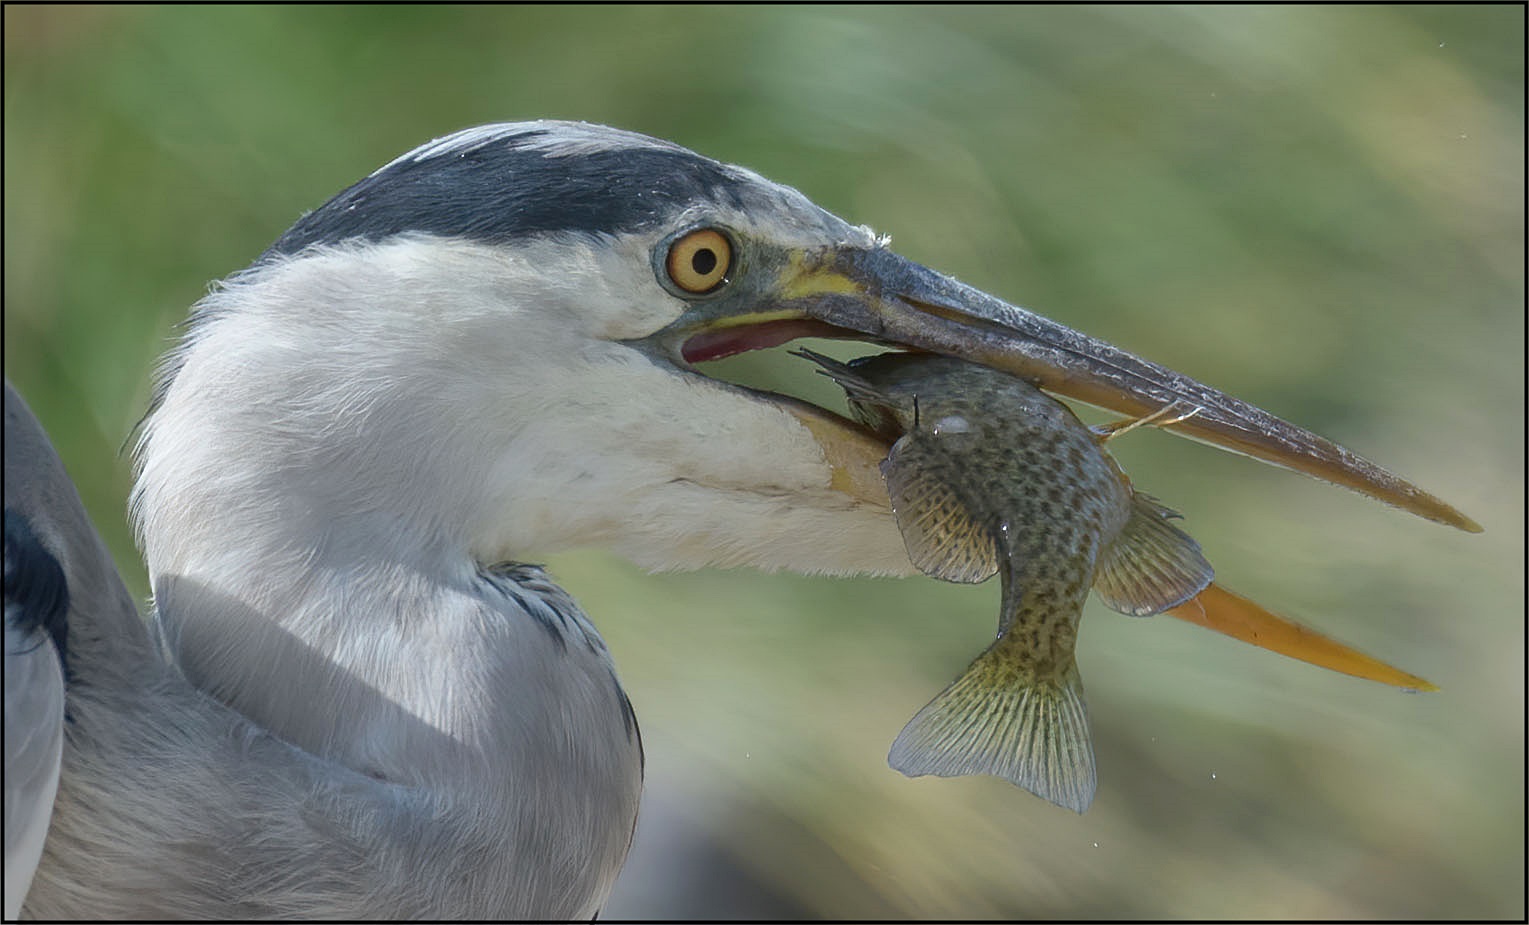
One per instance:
[(943, 539), (1152, 565)]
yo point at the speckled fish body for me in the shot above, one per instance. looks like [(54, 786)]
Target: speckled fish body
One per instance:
[(989, 475)]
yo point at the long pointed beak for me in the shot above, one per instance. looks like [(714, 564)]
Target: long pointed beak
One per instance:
[(1234, 615), (887, 298)]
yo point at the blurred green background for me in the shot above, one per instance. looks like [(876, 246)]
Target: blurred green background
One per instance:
[(1318, 209)]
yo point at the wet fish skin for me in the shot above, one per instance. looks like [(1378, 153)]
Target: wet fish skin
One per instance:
[(990, 475)]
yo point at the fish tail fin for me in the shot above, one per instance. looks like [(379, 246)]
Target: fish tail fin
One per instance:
[(1032, 732)]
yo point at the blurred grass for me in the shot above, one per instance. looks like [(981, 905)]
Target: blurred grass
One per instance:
[(1318, 209)]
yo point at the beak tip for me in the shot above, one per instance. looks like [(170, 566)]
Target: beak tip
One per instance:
[(1433, 508)]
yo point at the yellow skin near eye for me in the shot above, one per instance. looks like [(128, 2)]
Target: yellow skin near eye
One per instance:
[(699, 261)]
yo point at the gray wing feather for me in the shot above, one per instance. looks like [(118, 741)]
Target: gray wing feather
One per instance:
[(34, 740), (54, 561)]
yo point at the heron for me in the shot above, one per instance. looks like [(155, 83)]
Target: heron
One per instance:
[(355, 695)]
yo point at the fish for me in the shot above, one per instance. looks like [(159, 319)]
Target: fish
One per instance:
[(987, 474)]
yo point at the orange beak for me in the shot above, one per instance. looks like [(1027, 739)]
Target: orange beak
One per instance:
[(1219, 609)]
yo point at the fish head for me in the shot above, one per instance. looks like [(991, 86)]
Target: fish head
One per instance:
[(898, 392)]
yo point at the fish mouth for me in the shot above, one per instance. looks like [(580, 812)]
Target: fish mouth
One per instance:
[(870, 294)]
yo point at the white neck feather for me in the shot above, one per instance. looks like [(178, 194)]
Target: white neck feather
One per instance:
[(348, 439)]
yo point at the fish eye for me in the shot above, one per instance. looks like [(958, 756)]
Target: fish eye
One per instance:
[(699, 261)]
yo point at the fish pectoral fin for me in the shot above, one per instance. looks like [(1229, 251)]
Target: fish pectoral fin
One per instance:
[(1235, 616), (1152, 565), (943, 539), (1031, 733)]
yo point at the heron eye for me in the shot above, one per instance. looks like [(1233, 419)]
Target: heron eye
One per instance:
[(699, 261)]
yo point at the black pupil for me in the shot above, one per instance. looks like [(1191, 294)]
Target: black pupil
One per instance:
[(704, 261)]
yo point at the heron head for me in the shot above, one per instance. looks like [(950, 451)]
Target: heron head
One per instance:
[(498, 341)]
